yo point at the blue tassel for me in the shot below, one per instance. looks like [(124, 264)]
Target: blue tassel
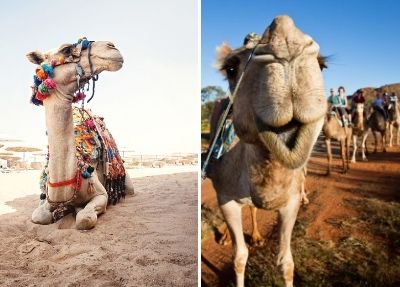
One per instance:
[(35, 101), (48, 70), (85, 44), (36, 81)]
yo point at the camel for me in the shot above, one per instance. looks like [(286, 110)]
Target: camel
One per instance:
[(332, 129), (278, 114), (65, 185), (394, 122), (377, 124), (360, 129)]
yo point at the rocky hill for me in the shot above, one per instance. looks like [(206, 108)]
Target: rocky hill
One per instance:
[(370, 92)]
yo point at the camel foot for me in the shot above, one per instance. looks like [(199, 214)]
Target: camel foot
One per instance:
[(384, 150), (365, 159), (328, 173), (42, 215), (375, 151), (86, 219), (256, 240), (353, 160)]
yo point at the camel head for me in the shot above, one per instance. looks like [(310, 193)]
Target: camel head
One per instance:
[(58, 67), (280, 101)]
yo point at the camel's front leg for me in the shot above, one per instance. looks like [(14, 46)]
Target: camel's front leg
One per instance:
[(256, 238), (287, 218), (343, 153), (232, 212), (87, 217), (363, 146), (390, 135), (353, 158), (42, 214), (383, 138), (329, 154)]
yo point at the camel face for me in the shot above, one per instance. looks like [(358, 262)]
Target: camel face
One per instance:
[(103, 56), (281, 97)]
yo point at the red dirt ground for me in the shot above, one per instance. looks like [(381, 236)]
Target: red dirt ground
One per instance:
[(378, 178)]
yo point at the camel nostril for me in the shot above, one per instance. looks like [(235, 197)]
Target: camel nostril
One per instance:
[(110, 45)]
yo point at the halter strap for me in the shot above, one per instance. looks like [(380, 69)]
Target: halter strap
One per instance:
[(65, 182)]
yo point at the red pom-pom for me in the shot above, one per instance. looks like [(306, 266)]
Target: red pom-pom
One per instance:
[(40, 96)]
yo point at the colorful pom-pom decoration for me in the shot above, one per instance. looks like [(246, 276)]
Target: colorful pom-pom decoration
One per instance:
[(40, 96), (49, 83), (48, 70), (40, 73), (78, 97), (43, 89), (36, 81)]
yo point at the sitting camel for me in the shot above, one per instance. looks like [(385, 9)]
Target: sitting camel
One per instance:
[(394, 122), (79, 173), (360, 129), (278, 114), (333, 130)]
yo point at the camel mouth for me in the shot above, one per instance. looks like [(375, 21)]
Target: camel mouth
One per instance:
[(292, 143)]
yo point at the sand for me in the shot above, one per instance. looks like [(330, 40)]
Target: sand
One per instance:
[(149, 239)]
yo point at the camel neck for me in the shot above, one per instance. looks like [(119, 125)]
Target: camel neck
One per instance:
[(61, 140)]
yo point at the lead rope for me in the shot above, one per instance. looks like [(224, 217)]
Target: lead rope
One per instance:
[(94, 77), (225, 115)]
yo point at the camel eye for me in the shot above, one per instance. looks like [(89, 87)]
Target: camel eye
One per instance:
[(231, 67), (66, 51)]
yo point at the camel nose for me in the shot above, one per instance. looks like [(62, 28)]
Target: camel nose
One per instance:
[(281, 25)]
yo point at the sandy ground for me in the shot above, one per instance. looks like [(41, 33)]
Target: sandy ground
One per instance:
[(149, 239), (378, 178)]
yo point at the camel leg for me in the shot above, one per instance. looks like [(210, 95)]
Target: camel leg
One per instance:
[(87, 217), (343, 152), (376, 142), (256, 238), (329, 154), (390, 135), (348, 143), (353, 158), (225, 239), (42, 214), (129, 189), (363, 146), (398, 134), (287, 218), (384, 141), (232, 212)]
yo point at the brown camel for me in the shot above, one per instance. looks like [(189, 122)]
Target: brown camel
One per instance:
[(333, 130), (360, 129), (278, 114), (377, 124), (65, 185)]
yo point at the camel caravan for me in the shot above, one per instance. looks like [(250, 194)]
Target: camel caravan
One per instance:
[(84, 171), (264, 134)]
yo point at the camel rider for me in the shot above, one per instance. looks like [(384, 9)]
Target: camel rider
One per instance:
[(339, 103), (379, 105), (392, 100), (358, 99)]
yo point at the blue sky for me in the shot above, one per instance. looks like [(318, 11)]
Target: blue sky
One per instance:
[(363, 37), (150, 105)]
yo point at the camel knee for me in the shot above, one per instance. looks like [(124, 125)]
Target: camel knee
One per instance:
[(240, 260), (42, 215), (86, 219)]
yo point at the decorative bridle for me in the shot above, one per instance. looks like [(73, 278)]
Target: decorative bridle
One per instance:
[(44, 73)]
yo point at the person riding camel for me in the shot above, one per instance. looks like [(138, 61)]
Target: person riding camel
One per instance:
[(379, 105), (339, 103), (358, 99)]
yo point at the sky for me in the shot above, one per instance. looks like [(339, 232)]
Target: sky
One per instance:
[(151, 105), (361, 37)]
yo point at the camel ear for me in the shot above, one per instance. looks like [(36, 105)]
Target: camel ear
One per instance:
[(322, 62), (222, 52), (35, 57)]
